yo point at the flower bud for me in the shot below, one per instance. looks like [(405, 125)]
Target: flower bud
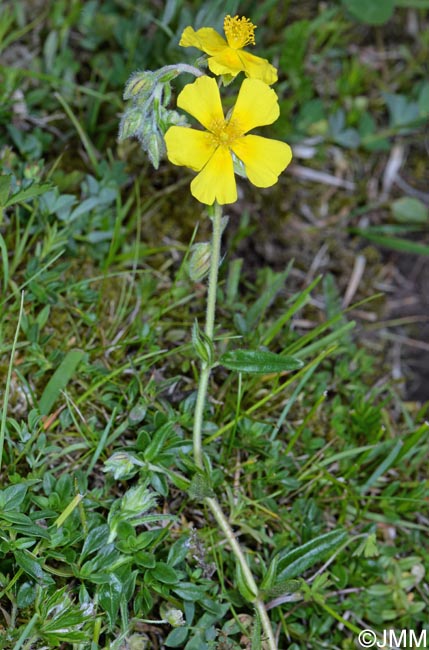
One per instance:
[(139, 642), (199, 262), (122, 465), (139, 82), (155, 148), (131, 123), (174, 617)]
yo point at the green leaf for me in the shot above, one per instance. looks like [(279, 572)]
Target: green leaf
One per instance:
[(202, 344), (26, 595), (373, 12), (145, 559), (298, 302), (410, 210), (368, 547), (383, 467), (276, 282), (348, 138), (100, 564), (178, 551), (61, 621), (256, 634), (177, 637), (395, 243), (27, 193), (110, 596), (59, 380), (295, 562), (156, 444), (12, 497), (268, 579), (95, 539), (23, 524), (402, 111), (31, 566), (15, 517), (200, 488), (243, 587), (283, 587), (189, 591), (164, 573), (258, 361), (412, 440), (5, 182)]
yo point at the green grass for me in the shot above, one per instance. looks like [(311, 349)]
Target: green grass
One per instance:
[(322, 470)]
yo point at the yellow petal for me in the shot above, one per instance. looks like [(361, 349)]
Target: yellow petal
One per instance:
[(226, 62), (257, 68), (256, 105), (205, 39), (263, 159), (202, 100), (231, 61), (216, 181), (189, 147)]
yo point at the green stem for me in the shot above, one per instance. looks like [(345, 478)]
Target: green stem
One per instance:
[(198, 416), (26, 632), (211, 502), (182, 67), (209, 331), (223, 523), (214, 268)]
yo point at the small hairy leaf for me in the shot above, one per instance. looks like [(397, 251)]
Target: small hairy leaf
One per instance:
[(258, 361), (295, 562)]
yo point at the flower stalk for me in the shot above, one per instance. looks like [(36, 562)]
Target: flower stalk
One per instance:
[(212, 503), (216, 217)]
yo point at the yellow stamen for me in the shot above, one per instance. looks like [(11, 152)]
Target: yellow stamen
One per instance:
[(239, 31), (225, 133)]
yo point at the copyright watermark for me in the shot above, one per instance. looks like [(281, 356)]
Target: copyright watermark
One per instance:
[(392, 639), (367, 639)]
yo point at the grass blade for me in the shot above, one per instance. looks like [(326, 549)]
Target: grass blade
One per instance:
[(59, 380), (8, 379), (395, 243), (89, 147)]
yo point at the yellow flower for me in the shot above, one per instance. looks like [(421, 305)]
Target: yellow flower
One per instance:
[(211, 152), (228, 57)]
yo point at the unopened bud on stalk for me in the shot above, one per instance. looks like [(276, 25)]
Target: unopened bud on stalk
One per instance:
[(199, 263)]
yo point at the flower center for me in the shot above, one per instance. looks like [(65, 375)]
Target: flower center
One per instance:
[(239, 31), (225, 133)]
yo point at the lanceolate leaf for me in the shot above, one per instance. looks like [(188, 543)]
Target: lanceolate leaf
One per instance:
[(295, 562), (258, 361)]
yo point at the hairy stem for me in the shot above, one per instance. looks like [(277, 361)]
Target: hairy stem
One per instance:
[(211, 502), (183, 67), (216, 216)]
